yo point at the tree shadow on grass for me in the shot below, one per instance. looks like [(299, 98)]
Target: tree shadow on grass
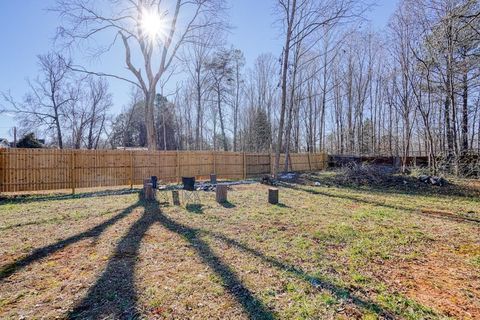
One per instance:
[(443, 216), (196, 208), (228, 205), (252, 305), (44, 252), (60, 197), (114, 294), (321, 283)]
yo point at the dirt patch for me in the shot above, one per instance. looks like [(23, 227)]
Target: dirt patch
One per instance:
[(442, 280)]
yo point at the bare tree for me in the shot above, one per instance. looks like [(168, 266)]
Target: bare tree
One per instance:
[(238, 61), (195, 57), (150, 31), (402, 30), (48, 97), (222, 72), (300, 20), (261, 89), (87, 114), (99, 101)]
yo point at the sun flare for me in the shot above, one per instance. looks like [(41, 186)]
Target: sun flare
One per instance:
[(152, 24)]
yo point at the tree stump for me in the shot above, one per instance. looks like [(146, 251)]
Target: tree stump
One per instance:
[(148, 190), (273, 195), (175, 198), (221, 193)]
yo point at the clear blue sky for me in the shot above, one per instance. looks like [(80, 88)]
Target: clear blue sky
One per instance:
[(27, 30)]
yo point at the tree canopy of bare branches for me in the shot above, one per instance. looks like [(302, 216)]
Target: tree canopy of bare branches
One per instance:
[(150, 32)]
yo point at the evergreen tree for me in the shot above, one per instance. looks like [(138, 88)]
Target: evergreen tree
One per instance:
[(29, 141), (259, 135)]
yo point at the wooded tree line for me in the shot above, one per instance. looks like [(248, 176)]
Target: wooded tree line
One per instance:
[(337, 85), (70, 109)]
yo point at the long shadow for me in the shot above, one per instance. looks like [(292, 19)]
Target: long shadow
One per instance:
[(59, 197), (337, 291), (114, 295), (253, 306), (456, 218), (43, 252), (228, 205), (195, 208), (346, 197)]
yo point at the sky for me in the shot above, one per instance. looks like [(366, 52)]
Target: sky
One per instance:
[(27, 29)]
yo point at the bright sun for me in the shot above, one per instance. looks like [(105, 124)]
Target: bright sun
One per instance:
[(152, 24)]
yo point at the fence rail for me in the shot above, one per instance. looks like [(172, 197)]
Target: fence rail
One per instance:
[(49, 169)]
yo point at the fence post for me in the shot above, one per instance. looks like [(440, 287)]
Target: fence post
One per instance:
[(131, 170), (214, 163), (2, 170), (178, 167), (244, 166), (271, 163), (72, 171)]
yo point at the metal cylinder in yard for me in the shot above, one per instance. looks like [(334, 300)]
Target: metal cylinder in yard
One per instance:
[(221, 193), (273, 195), (154, 180), (213, 178)]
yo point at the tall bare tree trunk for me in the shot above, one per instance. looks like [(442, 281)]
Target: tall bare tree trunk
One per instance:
[(220, 115), (465, 113), (199, 114), (286, 56), (150, 120)]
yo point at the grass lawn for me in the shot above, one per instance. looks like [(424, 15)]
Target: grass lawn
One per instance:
[(326, 252)]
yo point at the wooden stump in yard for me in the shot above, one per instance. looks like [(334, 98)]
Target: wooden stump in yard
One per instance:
[(175, 197), (221, 193), (273, 195), (148, 190)]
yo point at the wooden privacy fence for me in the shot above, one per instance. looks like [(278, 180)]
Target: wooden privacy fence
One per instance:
[(48, 169)]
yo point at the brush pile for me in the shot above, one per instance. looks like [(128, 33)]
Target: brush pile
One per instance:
[(363, 174), (432, 180)]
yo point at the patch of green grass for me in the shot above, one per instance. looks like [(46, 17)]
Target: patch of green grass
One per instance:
[(406, 308), (302, 243), (328, 299), (370, 316), (359, 278), (374, 213), (5, 208), (310, 307), (290, 287), (475, 261), (336, 233)]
